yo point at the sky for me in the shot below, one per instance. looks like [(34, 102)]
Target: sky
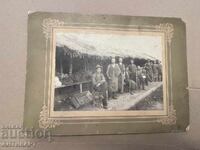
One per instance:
[(128, 43)]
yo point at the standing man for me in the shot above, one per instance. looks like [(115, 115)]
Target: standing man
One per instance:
[(100, 85), (159, 71), (131, 84), (121, 76), (132, 70), (140, 78), (155, 71), (145, 76), (149, 71), (113, 72)]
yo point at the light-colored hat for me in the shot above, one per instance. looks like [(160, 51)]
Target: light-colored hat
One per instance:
[(98, 66)]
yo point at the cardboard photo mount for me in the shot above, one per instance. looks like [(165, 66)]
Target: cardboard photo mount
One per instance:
[(39, 94)]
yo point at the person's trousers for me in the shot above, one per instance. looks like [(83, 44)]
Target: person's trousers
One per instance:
[(103, 89), (159, 76), (121, 83), (141, 83)]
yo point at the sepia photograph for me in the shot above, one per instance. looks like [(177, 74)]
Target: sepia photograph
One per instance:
[(106, 74), (108, 70)]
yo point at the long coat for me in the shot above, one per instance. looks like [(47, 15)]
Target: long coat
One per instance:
[(155, 68), (113, 72), (149, 72), (159, 69), (121, 77), (132, 71)]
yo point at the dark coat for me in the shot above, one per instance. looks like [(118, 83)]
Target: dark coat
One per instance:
[(121, 77), (132, 71)]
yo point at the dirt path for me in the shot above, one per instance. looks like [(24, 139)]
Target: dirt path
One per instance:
[(126, 101)]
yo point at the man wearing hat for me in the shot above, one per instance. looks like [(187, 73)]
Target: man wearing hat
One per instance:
[(100, 84), (131, 84), (155, 71), (132, 70), (113, 72), (122, 75), (149, 71), (159, 71)]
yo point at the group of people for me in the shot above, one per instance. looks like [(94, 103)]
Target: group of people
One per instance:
[(121, 77)]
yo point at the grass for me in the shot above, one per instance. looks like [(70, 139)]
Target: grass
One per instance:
[(154, 101)]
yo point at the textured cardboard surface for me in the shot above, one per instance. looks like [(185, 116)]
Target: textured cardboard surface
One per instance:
[(13, 42), (175, 74)]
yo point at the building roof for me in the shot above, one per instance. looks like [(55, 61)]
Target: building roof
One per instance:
[(73, 44)]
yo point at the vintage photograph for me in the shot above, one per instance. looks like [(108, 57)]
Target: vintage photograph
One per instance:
[(108, 70), (106, 74)]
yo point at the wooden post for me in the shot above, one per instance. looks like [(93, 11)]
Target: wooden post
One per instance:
[(61, 65), (81, 88), (85, 64)]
